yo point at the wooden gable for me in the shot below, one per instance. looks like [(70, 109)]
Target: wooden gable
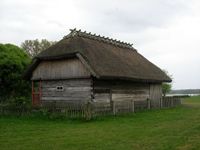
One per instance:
[(60, 69)]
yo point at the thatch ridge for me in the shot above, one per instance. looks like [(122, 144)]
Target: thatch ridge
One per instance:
[(100, 38)]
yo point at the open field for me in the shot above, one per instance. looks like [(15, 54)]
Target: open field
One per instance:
[(175, 128)]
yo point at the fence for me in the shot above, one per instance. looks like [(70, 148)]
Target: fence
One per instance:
[(90, 110), (170, 101)]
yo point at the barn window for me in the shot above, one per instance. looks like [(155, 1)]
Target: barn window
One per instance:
[(59, 88)]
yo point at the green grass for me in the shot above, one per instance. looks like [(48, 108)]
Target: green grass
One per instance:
[(192, 101), (175, 128)]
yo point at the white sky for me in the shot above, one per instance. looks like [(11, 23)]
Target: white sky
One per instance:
[(165, 31)]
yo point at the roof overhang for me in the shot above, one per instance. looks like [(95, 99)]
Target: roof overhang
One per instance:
[(28, 73)]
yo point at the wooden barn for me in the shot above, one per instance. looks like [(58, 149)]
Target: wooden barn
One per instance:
[(84, 67)]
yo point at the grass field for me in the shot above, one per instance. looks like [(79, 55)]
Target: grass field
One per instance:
[(175, 128)]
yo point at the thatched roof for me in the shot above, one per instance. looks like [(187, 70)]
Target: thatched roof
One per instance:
[(107, 58)]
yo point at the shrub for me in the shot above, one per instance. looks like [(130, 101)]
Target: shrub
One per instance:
[(13, 61)]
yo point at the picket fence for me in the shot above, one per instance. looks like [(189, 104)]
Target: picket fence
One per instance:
[(95, 109), (90, 110)]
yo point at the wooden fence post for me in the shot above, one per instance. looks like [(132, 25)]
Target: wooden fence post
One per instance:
[(148, 103), (33, 102), (172, 102), (88, 112), (161, 102), (133, 106), (113, 107)]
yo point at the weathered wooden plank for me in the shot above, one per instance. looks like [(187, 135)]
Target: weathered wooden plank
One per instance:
[(128, 91), (101, 90), (75, 91), (68, 83), (125, 97), (65, 98), (102, 97), (67, 89), (80, 95), (155, 95), (60, 69)]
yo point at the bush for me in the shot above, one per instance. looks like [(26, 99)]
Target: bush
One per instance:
[(13, 62), (18, 106)]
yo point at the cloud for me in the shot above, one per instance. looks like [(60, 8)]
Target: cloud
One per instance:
[(166, 32), (103, 16), (176, 48)]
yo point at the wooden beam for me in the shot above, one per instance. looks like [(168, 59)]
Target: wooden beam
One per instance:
[(84, 62), (32, 92), (40, 92)]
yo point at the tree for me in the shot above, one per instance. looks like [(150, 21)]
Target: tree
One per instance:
[(34, 47), (166, 87), (13, 61)]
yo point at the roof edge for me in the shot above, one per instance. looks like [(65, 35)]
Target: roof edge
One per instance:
[(134, 79), (87, 65), (28, 72)]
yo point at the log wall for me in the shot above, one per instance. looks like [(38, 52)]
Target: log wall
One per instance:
[(120, 90), (98, 91), (106, 91), (74, 90)]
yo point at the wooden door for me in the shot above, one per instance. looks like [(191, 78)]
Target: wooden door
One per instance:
[(36, 93)]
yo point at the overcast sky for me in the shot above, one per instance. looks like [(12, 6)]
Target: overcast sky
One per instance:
[(167, 32)]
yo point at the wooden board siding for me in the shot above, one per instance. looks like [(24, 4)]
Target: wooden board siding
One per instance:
[(129, 97), (155, 95), (74, 90), (102, 97), (120, 90), (60, 69)]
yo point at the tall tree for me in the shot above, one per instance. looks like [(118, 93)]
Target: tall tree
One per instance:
[(34, 47), (13, 61)]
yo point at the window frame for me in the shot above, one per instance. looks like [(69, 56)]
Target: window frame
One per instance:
[(59, 88)]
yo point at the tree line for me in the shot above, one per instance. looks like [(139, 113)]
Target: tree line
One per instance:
[(34, 47), (14, 61)]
